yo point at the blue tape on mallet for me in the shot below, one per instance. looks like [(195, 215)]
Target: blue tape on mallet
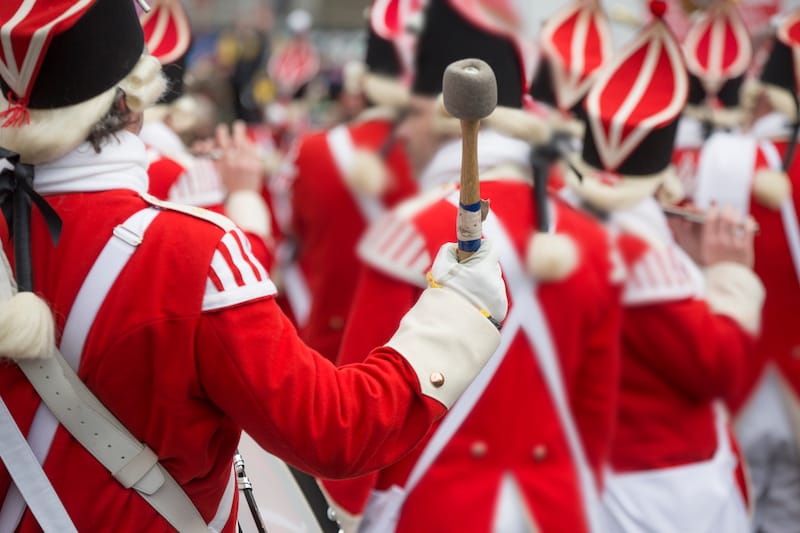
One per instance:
[(473, 208), (469, 246)]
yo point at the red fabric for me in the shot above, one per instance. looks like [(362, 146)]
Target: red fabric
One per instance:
[(327, 224), (187, 382), (515, 416), (162, 174)]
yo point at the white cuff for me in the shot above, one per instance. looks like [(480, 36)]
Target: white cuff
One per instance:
[(735, 291), (249, 211), (447, 341)]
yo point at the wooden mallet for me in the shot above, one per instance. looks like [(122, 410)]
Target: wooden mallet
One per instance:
[(469, 90)]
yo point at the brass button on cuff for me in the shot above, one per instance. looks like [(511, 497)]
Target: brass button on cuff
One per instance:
[(437, 379)]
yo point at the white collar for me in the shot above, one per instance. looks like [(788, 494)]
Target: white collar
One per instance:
[(121, 164), (493, 149)]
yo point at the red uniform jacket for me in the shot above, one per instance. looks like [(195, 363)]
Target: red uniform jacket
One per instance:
[(678, 355), (514, 428)]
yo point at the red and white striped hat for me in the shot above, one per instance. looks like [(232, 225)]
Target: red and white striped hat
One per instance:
[(167, 32), (633, 107), (167, 36), (782, 69), (575, 43), (50, 57), (718, 52)]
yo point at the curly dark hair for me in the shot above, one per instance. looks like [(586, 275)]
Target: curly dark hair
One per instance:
[(118, 118)]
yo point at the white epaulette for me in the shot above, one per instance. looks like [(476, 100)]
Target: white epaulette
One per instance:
[(395, 246), (662, 274), (197, 212)]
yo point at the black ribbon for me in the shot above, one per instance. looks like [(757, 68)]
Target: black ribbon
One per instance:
[(16, 197)]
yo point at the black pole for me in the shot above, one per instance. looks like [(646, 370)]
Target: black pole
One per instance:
[(316, 500)]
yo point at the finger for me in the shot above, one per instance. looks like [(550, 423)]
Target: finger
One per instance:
[(240, 134), (223, 137), (750, 226), (711, 226)]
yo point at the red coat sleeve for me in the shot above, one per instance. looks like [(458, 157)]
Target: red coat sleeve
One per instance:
[(297, 405), (701, 353)]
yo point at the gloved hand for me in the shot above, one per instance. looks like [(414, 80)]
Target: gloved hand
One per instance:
[(478, 279)]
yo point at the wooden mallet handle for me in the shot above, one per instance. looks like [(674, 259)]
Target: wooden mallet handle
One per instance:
[(469, 90)]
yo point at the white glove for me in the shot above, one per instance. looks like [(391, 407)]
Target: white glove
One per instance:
[(478, 279)]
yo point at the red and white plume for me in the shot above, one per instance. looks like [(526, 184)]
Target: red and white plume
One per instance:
[(718, 46), (577, 42), (167, 32), (642, 90)]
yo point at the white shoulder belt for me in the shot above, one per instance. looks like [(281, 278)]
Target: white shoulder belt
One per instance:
[(131, 462)]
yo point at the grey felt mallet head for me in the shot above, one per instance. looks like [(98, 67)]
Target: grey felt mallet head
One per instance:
[(469, 89)]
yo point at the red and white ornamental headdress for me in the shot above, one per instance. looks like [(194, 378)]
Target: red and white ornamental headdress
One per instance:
[(167, 36), (781, 72), (633, 107), (167, 32), (394, 21), (389, 58), (297, 62), (57, 53), (718, 52), (575, 43)]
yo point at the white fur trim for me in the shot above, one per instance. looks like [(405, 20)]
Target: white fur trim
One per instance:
[(443, 333), (771, 188), (53, 133), (730, 118), (368, 174), (385, 91), (569, 126), (27, 330), (248, 210), (629, 191), (781, 100), (735, 291), (353, 74), (519, 124), (144, 84), (671, 191), (508, 121), (551, 256), (748, 94)]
